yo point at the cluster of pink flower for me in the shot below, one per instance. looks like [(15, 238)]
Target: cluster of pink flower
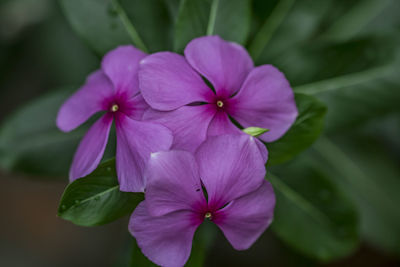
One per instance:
[(178, 140)]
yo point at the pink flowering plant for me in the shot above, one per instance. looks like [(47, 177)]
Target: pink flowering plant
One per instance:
[(196, 128)]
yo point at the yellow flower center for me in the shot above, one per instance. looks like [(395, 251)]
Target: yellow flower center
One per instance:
[(208, 215), (220, 104), (114, 108)]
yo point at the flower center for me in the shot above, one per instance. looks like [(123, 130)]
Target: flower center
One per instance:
[(208, 215), (114, 108), (220, 104)]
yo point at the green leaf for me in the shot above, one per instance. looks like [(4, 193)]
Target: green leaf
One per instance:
[(354, 105), (370, 176), (96, 199), (269, 27), (354, 19), (283, 30), (212, 17), (255, 131), (153, 21), (367, 76), (303, 132), (105, 24), (311, 214), (321, 21), (321, 61), (30, 141)]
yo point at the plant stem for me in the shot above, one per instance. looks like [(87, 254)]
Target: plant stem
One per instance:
[(212, 18)]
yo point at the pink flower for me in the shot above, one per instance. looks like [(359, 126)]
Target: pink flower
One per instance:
[(114, 90), (181, 100), (240, 202)]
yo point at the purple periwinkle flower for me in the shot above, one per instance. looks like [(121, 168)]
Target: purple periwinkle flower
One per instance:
[(114, 89), (173, 86), (240, 202)]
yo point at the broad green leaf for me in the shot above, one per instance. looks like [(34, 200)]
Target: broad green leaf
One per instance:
[(303, 132), (229, 19), (311, 214), (371, 177), (153, 22), (96, 199), (30, 141), (105, 24)]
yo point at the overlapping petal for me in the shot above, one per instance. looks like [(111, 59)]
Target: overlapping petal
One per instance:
[(168, 82), (246, 218), (91, 148), (137, 107), (136, 140), (165, 240), (265, 100), (85, 102), (230, 166), (121, 66), (221, 124), (173, 183), (188, 124), (223, 63)]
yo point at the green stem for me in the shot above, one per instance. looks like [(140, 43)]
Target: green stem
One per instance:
[(344, 81), (133, 34), (269, 27), (212, 18)]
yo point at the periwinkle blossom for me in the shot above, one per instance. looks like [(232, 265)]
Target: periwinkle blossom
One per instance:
[(114, 90), (173, 85), (240, 202)]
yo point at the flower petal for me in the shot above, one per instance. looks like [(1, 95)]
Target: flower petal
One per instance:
[(168, 82), (263, 150), (91, 148), (138, 107), (230, 166), (246, 218), (136, 140), (85, 102), (223, 63), (173, 183), (165, 240), (121, 66), (266, 100), (221, 124), (188, 124)]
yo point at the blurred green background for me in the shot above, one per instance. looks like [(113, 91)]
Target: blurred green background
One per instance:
[(337, 200)]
